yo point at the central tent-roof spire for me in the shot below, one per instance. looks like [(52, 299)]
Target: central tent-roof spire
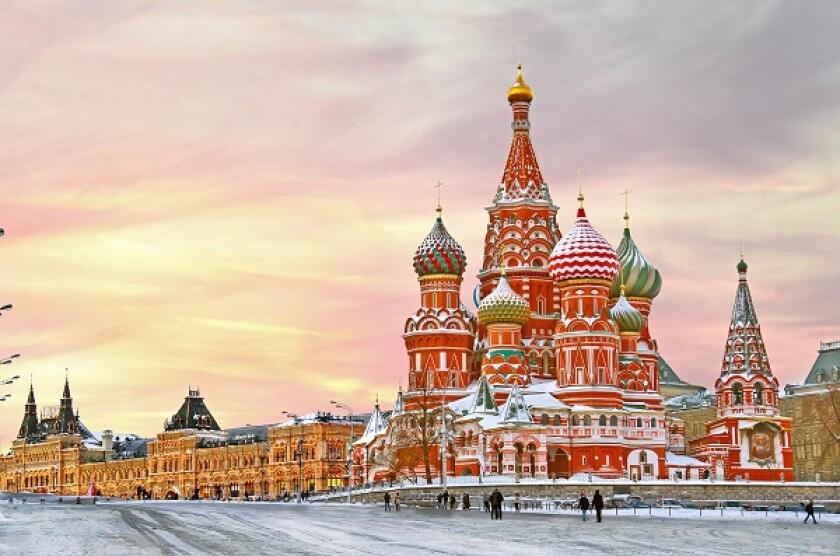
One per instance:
[(522, 178)]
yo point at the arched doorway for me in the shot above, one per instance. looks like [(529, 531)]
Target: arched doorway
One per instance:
[(171, 494), (558, 462)]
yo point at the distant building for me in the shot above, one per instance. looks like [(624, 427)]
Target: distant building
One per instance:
[(814, 408), (192, 458), (670, 385)]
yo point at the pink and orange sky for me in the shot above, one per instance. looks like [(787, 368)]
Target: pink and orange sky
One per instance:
[(229, 194)]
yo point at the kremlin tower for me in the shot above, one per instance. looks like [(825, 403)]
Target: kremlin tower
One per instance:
[(749, 439)]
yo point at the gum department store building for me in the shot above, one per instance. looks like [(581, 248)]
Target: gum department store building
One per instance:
[(558, 374)]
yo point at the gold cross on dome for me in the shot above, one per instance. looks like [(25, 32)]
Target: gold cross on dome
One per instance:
[(438, 186), (626, 194)]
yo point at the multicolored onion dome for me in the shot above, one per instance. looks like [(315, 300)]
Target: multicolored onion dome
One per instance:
[(504, 306), (641, 278), (583, 253), (628, 318), (520, 91), (439, 253)]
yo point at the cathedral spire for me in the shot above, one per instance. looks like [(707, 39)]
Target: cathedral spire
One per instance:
[(522, 178), (745, 352)]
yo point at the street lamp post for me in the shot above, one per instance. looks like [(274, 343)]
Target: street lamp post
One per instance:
[(349, 463), (299, 454)]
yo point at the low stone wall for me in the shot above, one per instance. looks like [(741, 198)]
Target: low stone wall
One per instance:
[(753, 492)]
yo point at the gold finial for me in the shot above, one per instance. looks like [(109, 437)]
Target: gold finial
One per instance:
[(626, 194), (580, 186), (502, 269), (439, 208), (520, 91), (623, 288)]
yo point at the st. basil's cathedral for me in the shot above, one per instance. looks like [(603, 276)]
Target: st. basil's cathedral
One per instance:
[(558, 374)]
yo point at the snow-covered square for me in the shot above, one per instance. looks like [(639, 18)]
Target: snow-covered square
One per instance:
[(277, 528)]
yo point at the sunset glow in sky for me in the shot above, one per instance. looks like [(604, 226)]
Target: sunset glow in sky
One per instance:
[(228, 194)]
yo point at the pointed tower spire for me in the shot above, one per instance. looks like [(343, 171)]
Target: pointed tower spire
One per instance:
[(484, 402), (744, 352), (66, 419), (29, 425), (522, 178), (515, 411)]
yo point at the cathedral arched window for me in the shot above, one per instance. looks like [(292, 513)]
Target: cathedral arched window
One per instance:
[(613, 421), (737, 394), (758, 394), (575, 421), (653, 422), (587, 421), (643, 457), (544, 420), (602, 421), (556, 420)]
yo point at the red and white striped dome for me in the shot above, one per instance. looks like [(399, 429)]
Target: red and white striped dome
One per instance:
[(583, 253)]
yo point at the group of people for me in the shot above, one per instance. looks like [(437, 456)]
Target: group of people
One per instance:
[(597, 504), (397, 501)]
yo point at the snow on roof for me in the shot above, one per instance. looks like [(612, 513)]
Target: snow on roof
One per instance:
[(676, 459), (375, 425), (515, 411), (542, 400)]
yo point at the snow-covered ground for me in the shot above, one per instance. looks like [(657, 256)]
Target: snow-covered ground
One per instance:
[(261, 528)]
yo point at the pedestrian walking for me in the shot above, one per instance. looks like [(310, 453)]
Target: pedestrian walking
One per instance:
[(583, 504), (465, 502), (439, 499), (445, 499), (598, 504), (453, 501), (397, 501), (517, 502), (387, 502), (809, 508), (486, 501)]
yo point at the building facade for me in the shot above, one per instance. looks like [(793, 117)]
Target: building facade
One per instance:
[(192, 458), (557, 374)]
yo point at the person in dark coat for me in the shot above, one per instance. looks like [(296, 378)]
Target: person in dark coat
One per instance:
[(486, 501), (465, 502), (439, 499), (496, 500), (598, 504), (445, 499), (809, 508), (583, 504), (387, 502), (397, 501)]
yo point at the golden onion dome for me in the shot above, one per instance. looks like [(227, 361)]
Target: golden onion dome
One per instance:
[(503, 306), (520, 91)]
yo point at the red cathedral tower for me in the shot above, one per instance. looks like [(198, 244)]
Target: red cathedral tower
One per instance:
[(749, 439)]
